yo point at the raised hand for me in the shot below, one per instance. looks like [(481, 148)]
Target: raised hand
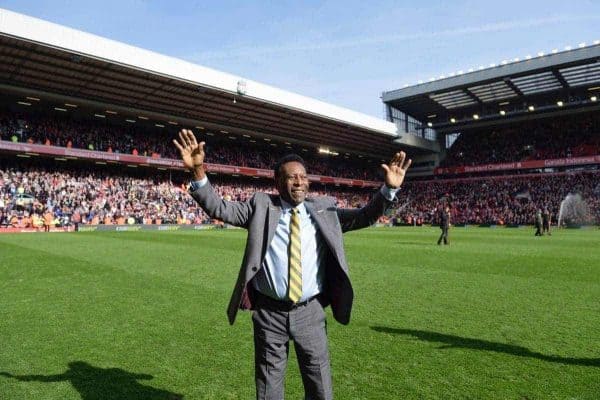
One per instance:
[(192, 152), (396, 169)]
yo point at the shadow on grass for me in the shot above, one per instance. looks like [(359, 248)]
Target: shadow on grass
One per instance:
[(95, 383), (451, 341)]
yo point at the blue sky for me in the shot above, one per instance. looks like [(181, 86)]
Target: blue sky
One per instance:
[(342, 52)]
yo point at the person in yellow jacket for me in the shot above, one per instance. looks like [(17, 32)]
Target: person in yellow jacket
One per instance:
[(37, 221), (48, 220)]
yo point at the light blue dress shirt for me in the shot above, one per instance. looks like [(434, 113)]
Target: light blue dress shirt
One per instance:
[(272, 279)]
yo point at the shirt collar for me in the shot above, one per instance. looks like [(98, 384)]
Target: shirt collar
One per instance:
[(286, 207)]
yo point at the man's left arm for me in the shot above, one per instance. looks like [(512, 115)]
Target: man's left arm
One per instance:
[(352, 219)]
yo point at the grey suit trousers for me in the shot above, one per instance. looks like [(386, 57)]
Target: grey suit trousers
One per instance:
[(273, 330)]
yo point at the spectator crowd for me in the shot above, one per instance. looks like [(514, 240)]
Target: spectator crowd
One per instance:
[(97, 197), (29, 195), (500, 200), (151, 141), (566, 137), (44, 196)]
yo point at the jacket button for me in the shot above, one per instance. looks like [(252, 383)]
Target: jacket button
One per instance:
[(254, 269)]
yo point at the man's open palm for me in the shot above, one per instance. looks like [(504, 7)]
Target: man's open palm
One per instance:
[(396, 170), (192, 152)]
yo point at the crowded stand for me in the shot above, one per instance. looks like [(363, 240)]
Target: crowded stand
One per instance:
[(45, 194), (31, 196), (499, 200), (564, 137), (38, 196), (152, 141)]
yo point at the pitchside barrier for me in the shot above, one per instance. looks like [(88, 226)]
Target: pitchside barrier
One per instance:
[(140, 227), (134, 228), (493, 226), (31, 230), (119, 228)]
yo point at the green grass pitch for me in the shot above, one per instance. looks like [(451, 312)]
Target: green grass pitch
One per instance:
[(498, 314)]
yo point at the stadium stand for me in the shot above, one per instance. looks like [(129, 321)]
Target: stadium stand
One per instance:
[(155, 142), (563, 137), (528, 134), (500, 200), (91, 195), (99, 196)]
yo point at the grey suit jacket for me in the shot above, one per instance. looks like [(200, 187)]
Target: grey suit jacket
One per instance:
[(260, 216)]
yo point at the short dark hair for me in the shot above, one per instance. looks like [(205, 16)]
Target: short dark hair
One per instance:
[(286, 159)]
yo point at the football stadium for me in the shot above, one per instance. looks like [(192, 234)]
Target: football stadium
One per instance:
[(481, 280)]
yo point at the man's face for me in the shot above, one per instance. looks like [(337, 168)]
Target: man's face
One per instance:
[(292, 183)]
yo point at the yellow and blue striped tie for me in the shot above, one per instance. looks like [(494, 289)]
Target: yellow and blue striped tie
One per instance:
[(295, 261)]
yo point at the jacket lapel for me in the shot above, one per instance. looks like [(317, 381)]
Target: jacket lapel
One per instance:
[(316, 214), (326, 222), (323, 220)]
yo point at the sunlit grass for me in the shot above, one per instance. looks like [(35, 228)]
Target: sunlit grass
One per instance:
[(498, 314)]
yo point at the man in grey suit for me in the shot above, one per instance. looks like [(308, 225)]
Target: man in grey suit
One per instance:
[(294, 264)]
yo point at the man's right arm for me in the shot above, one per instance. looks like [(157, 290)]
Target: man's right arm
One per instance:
[(197, 184), (192, 156), (236, 213)]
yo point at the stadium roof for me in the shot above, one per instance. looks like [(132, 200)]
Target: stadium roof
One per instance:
[(547, 83), (55, 60)]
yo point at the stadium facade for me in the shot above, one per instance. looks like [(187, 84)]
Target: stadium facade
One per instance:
[(60, 65), (516, 92), (74, 102)]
